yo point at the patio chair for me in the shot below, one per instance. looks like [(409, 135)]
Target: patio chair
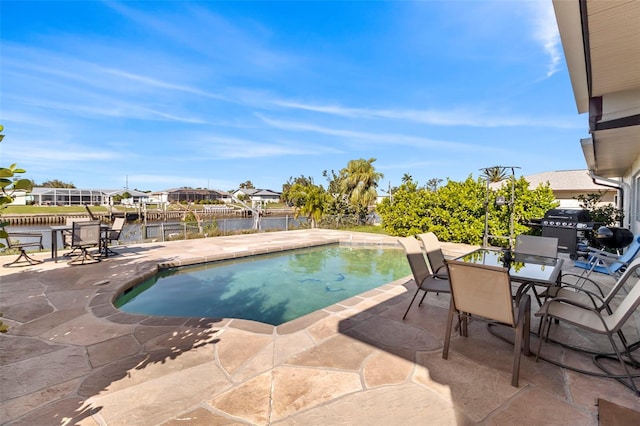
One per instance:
[(22, 241), (595, 297), (535, 246), (607, 321), (609, 263), (85, 235), (423, 278), (434, 254), (484, 292), (113, 234), (67, 234)]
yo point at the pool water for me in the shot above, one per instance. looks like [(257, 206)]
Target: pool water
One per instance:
[(272, 289)]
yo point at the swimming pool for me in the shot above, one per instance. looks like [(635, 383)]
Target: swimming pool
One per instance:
[(273, 288)]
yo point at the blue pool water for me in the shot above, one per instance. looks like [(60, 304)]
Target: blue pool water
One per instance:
[(272, 289)]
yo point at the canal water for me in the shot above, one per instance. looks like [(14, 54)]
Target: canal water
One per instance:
[(161, 231)]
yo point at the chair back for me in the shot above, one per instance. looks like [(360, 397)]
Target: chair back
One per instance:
[(624, 311), (537, 246), (415, 256), (85, 233), (434, 252), (481, 290), (71, 220), (629, 273), (118, 224)]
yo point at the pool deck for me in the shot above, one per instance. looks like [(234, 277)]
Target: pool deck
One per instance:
[(70, 357)]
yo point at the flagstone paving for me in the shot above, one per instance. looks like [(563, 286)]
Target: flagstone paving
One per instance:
[(71, 357)]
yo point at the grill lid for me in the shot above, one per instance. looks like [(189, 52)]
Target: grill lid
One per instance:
[(573, 215)]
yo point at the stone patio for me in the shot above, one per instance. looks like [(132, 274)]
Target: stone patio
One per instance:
[(71, 357)]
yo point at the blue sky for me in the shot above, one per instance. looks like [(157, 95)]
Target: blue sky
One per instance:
[(162, 94)]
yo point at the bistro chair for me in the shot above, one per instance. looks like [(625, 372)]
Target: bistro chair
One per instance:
[(484, 292), (21, 241), (85, 235), (423, 278), (536, 246), (67, 234), (434, 254), (532, 245)]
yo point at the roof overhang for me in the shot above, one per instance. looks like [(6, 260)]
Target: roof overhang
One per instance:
[(601, 42)]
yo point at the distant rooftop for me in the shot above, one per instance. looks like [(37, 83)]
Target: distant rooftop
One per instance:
[(565, 180)]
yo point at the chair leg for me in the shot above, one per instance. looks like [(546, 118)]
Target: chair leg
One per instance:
[(543, 335), (517, 350), (447, 337), (521, 344), (524, 318), (28, 259), (423, 297), (631, 385), (82, 257), (412, 300)]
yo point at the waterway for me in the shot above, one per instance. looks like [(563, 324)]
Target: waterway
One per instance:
[(134, 233)]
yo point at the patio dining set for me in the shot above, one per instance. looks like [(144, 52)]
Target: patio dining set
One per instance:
[(498, 285), (87, 239)]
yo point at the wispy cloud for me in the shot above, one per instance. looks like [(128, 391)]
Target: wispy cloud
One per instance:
[(470, 117), (378, 138), (546, 32), (233, 148)]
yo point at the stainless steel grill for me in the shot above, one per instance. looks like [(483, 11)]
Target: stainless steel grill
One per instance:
[(572, 227)]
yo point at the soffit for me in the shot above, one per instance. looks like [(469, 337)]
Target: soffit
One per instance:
[(615, 150), (614, 45)]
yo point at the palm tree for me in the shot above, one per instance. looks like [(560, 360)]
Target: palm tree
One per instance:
[(494, 174), (309, 200), (358, 183)]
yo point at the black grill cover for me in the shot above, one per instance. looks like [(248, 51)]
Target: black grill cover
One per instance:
[(574, 215)]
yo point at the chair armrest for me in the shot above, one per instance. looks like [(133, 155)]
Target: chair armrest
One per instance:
[(584, 279), (595, 311), (442, 273), (598, 301), (545, 306)]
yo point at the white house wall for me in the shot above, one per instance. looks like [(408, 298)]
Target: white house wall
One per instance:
[(632, 207)]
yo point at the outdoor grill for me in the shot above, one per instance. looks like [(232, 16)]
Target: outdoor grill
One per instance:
[(614, 238), (572, 227)]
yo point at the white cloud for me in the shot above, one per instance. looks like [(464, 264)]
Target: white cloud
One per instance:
[(470, 117), (546, 32)]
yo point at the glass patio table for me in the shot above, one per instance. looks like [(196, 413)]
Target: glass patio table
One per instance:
[(527, 269)]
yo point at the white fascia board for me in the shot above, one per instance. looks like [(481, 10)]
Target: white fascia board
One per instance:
[(570, 27)]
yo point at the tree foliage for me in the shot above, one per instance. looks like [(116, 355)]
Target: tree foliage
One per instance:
[(286, 187), (308, 199), (455, 211), (55, 183), (358, 182), (10, 182), (247, 185), (607, 214)]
